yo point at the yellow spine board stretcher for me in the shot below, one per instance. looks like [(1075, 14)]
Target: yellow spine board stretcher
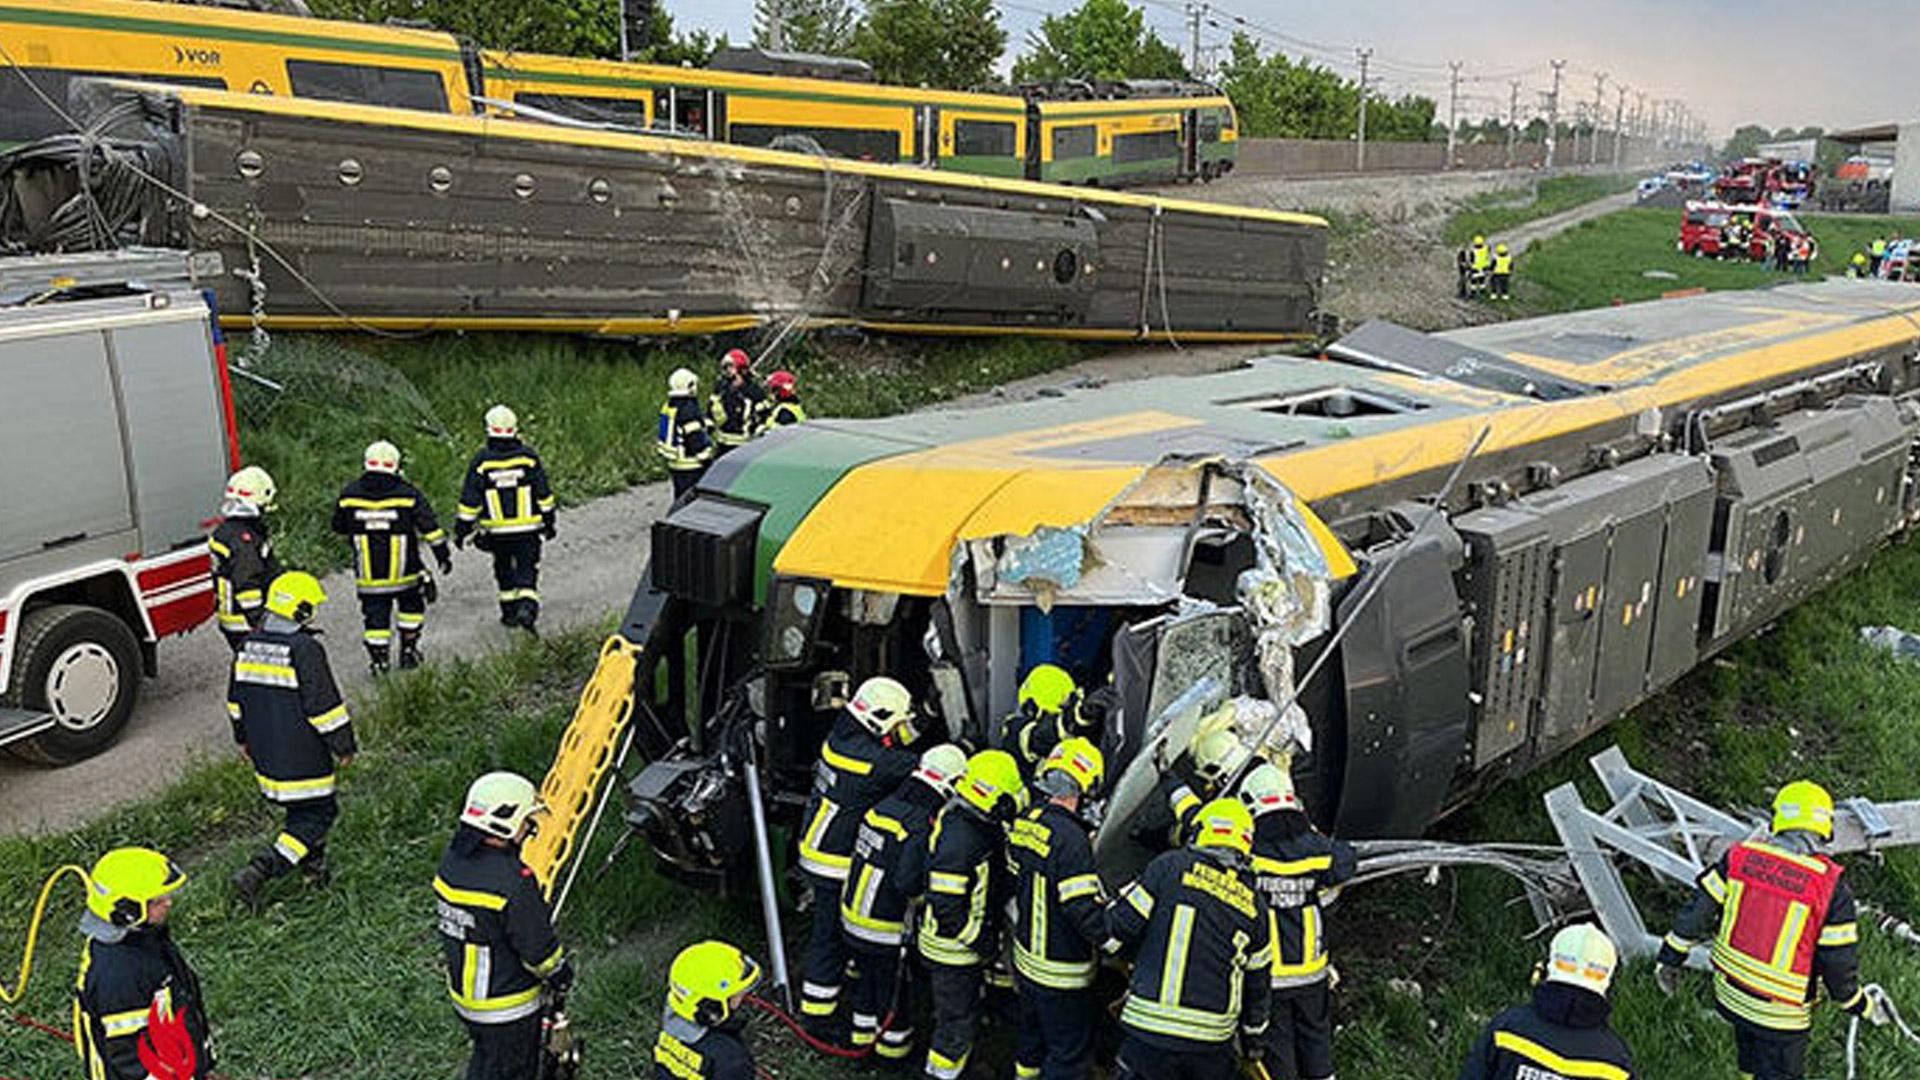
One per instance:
[(586, 755)]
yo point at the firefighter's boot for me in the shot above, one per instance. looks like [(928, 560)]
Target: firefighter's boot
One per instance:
[(314, 869), (377, 656), (247, 885), (409, 651)]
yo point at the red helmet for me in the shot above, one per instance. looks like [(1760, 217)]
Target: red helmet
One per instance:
[(782, 382), (736, 361)]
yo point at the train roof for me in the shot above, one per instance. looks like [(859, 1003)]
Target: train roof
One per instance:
[(882, 503)]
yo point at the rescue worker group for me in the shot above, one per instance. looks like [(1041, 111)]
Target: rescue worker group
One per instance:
[(946, 883)]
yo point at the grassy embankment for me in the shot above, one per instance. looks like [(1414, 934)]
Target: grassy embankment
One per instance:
[(1495, 212), (588, 406), (1605, 260)]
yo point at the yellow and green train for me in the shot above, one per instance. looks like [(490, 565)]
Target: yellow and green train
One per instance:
[(1127, 133)]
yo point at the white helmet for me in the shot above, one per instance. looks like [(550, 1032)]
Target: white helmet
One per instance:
[(881, 705), (1268, 788), (1582, 956), (383, 457), (251, 487), (683, 382), (502, 423), (941, 766), (500, 803)]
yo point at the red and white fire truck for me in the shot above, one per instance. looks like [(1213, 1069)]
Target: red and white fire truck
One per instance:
[(117, 431)]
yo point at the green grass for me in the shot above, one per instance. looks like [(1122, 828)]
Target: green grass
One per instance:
[(345, 983), (588, 406), (1605, 260), (1495, 212)]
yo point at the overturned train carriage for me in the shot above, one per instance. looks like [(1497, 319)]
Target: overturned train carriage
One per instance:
[(1633, 490), (397, 218)]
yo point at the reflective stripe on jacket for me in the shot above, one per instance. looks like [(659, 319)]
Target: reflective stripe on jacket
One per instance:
[(506, 490), (287, 712), (496, 931), (1204, 941)]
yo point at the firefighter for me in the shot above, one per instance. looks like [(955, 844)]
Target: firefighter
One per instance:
[(1479, 263), (1296, 870), (1198, 776), (389, 520), (1060, 923), (1462, 262), (967, 890), (292, 725), (1047, 711), (1791, 926), (1801, 255), (864, 760), (786, 410), (1858, 267), (683, 440), (129, 964), (496, 930), (700, 1031), (887, 876), (507, 499), (1563, 1031), (1877, 254), (1202, 941), (1502, 276), (243, 564), (739, 404)]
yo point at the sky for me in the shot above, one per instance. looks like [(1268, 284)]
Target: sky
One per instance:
[(1682, 49)]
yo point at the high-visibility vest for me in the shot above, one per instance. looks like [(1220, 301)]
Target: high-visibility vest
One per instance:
[(1482, 256), (1879, 248), (1503, 264), (1776, 905)]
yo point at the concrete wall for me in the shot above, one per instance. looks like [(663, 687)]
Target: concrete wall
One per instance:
[(1904, 196), (1332, 157)]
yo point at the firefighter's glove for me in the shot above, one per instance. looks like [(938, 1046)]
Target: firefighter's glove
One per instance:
[(549, 530), (444, 560), (561, 980), (1667, 978), (460, 531)]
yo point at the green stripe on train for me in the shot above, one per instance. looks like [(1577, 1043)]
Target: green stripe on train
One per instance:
[(614, 82)]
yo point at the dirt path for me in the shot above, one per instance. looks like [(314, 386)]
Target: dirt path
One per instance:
[(586, 575)]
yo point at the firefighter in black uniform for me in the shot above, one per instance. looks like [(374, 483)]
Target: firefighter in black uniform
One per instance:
[(496, 929), (1196, 909), (242, 554), (389, 520), (887, 876), (1563, 1031), (1060, 919), (739, 403), (292, 724), (786, 410), (129, 964), (700, 1032), (1046, 711), (863, 760), (1296, 869), (684, 437), (967, 889), (507, 499)]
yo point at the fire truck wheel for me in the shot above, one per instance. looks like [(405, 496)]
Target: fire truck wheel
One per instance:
[(82, 665)]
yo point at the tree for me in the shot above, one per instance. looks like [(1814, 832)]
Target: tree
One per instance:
[(1745, 139), (1277, 96), (1101, 40), (946, 44), (813, 26), (564, 27)]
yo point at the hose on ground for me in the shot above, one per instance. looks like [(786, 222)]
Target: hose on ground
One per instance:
[(1878, 995), (13, 996), (808, 1037)]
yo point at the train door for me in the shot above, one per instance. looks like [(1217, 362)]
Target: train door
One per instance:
[(1189, 144), (1035, 132), (926, 136)]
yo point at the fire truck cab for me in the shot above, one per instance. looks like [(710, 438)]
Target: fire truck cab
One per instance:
[(1724, 230), (117, 429)]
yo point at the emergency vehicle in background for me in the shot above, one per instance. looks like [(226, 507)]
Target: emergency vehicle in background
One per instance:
[(117, 426), (1726, 231), (1766, 180)]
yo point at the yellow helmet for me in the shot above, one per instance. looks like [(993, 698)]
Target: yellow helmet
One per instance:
[(1582, 956), (1224, 823), (1267, 788), (707, 980), (295, 595), (1075, 763), (252, 487), (1047, 689), (1806, 806), (383, 457), (502, 423), (1500, 248), (1479, 241), (126, 880), (992, 784)]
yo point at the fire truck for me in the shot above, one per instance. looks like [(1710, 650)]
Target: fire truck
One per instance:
[(1722, 231), (1766, 180), (117, 426)]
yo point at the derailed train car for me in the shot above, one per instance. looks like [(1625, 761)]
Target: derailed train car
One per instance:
[(1632, 490), (341, 215)]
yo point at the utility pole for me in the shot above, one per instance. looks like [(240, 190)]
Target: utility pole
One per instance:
[(1513, 118), (1599, 91), (1619, 126), (1360, 156), (1195, 13), (1553, 109), (1453, 110), (777, 25)]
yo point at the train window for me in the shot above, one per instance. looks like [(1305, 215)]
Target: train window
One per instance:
[(1209, 126), (625, 112), (983, 138), (1078, 141), (1146, 146), (368, 84), (859, 144), (24, 116)]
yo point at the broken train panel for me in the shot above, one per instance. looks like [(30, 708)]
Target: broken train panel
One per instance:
[(1653, 483), (412, 219)]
